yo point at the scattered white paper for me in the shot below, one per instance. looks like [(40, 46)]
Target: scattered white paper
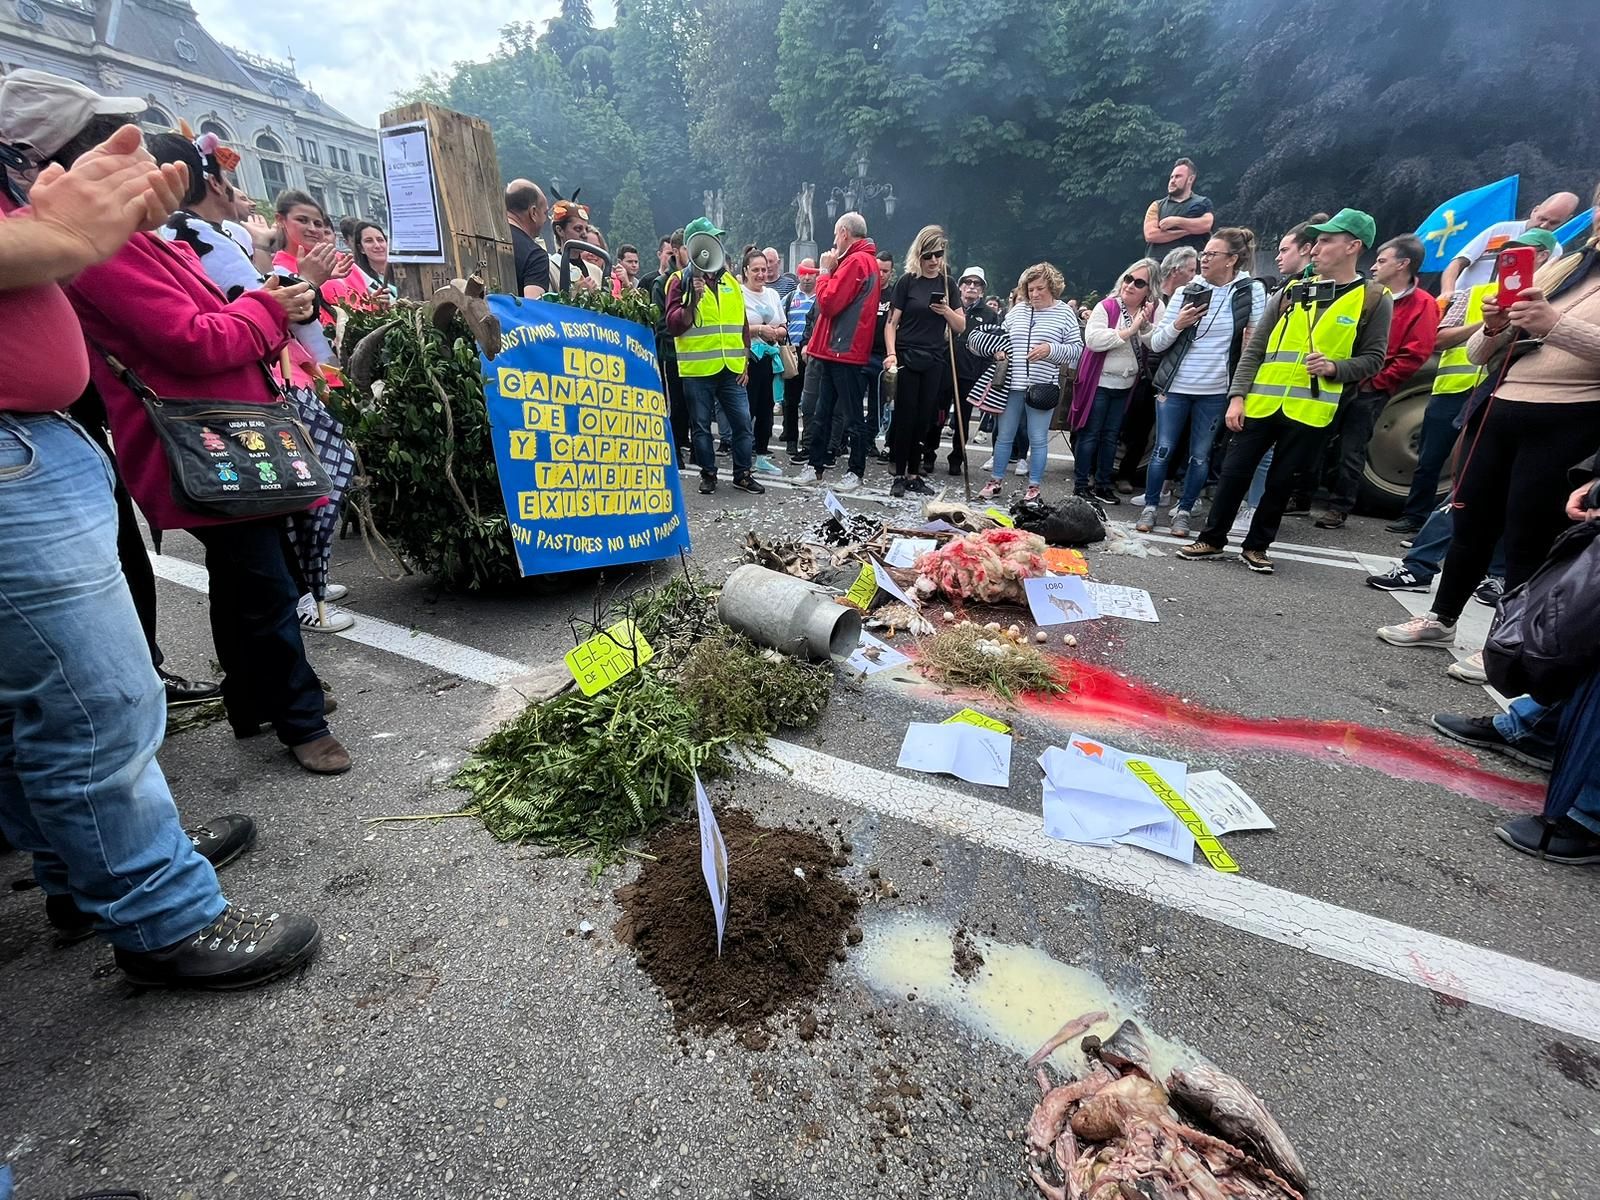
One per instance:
[(1059, 600), (1170, 838), (1223, 804), (873, 655), (713, 859), (1092, 795), (965, 751), (887, 583), (904, 551), (939, 526), (1129, 603), (831, 503)]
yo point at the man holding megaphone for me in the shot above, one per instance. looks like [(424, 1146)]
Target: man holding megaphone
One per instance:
[(706, 320)]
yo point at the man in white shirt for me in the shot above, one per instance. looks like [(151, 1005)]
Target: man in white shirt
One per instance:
[(1474, 264)]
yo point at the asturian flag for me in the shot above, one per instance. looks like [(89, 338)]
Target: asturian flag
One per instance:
[(1457, 221)]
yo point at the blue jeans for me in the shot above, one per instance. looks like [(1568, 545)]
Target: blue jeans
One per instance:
[(1202, 413), (1440, 430), (1530, 724), (1426, 557), (1038, 426), (1095, 450), (1258, 485), (1575, 779), (81, 710), (706, 394)]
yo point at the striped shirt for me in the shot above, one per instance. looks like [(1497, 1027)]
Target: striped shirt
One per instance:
[(1024, 328), (1203, 370)]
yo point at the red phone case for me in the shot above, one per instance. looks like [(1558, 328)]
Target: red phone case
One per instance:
[(1514, 272)]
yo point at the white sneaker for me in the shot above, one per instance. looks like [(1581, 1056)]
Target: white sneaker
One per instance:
[(1425, 630), (766, 466), (335, 591), (850, 482), (332, 620), (1180, 524), (988, 464), (1241, 523), (807, 475), (1022, 469), (1469, 669)]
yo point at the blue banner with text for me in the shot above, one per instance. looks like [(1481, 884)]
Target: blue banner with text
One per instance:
[(581, 439)]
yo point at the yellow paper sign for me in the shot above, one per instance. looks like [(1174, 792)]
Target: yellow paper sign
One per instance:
[(606, 657), (971, 716), (1065, 562), (1203, 837), (864, 588), (997, 515)]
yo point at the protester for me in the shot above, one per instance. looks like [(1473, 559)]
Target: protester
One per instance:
[(1454, 380), (673, 259), (305, 236), (1181, 218), (970, 365), (82, 714), (627, 268), (666, 262), (797, 310), (1115, 338), (570, 221), (1334, 328), (783, 282), (1038, 337), (526, 210), (763, 312), (1178, 269), (1411, 338), (1518, 445), (917, 336), (1221, 307), (878, 383), (705, 314), (1474, 265), (847, 304), (1423, 561)]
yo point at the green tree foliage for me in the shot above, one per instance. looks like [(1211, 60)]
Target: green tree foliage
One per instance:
[(631, 220), (652, 42)]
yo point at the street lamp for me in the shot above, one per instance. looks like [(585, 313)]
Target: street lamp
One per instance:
[(859, 190)]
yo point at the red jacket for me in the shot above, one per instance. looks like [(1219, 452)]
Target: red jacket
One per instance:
[(847, 307), (152, 306), (1412, 334)]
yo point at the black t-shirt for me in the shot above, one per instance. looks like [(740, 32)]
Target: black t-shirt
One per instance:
[(1195, 206), (920, 327), (533, 261)]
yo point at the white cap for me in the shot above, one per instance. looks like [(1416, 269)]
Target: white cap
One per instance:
[(975, 273), (45, 111)]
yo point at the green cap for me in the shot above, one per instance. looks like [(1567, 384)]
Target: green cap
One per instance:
[(1354, 222), (701, 225), (1542, 239)]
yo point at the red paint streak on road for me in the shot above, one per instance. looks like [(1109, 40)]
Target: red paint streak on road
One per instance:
[(1098, 697)]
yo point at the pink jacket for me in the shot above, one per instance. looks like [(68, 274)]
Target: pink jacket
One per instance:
[(153, 307)]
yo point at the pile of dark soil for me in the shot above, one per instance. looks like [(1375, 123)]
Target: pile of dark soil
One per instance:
[(783, 930), (966, 956)]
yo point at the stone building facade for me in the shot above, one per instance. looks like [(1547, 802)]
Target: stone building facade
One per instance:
[(287, 136)]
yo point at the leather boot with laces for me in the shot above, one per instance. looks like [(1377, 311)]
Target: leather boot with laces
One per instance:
[(238, 950)]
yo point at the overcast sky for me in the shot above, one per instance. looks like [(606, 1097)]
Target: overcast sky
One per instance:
[(359, 53)]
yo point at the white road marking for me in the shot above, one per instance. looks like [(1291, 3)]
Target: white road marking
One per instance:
[(453, 657), (1555, 999)]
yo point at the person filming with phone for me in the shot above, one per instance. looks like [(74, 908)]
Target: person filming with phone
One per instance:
[(1320, 338)]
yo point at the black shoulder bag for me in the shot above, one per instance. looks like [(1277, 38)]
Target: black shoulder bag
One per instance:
[(1043, 396), (233, 460)]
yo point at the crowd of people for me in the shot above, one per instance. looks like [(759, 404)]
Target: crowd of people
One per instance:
[(153, 279)]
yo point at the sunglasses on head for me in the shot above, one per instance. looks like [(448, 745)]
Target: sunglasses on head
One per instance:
[(930, 255), (1135, 281)]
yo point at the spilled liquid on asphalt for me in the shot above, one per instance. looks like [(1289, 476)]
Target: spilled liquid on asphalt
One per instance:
[(1018, 998)]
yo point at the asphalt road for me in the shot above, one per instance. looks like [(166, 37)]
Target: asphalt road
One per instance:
[(458, 1038)]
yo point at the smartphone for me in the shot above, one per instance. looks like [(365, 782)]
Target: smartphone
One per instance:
[(1195, 296), (1319, 291), (1513, 270), (936, 298)]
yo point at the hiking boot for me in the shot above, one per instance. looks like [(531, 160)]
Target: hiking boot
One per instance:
[(1469, 669), (1488, 592), (183, 692), (898, 487), (747, 483), (1331, 520), (237, 950), (1398, 579), (1199, 549), (1482, 733), (991, 490), (808, 474), (331, 619), (1147, 519), (1425, 630), (325, 756), (1257, 561), (708, 484), (219, 841), (1180, 523), (1560, 841), (1404, 525)]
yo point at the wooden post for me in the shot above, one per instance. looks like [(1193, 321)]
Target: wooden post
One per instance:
[(471, 200)]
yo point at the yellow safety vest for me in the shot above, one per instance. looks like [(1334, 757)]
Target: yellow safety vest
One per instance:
[(1456, 374), (716, 339), (1282, 380)]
